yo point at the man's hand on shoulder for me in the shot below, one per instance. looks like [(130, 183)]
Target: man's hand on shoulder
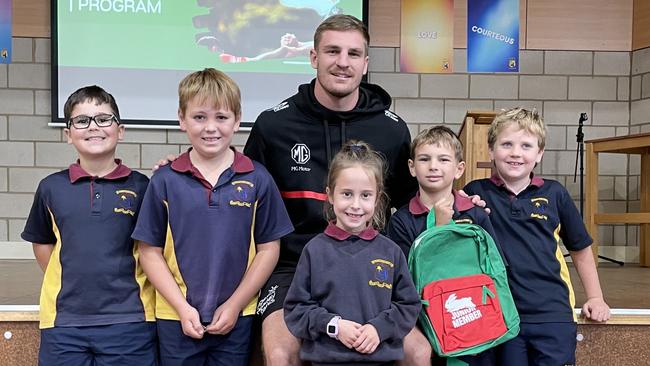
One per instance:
[(165, 161), (476, 200)]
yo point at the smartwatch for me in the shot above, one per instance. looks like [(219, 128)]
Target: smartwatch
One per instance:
[(333, 327)]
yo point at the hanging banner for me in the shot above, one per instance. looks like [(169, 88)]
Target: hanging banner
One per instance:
[(427, 36), (5, 31), (493, 35)]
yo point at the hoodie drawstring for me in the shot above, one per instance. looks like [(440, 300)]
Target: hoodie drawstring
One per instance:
[(328, 148), (328, 140), (344, 138)]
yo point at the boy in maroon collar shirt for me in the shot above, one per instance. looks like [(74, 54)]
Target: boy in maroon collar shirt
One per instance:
[(436, 161), (96, 305)]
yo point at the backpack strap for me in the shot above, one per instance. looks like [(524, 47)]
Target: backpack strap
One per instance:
[(431, 219)]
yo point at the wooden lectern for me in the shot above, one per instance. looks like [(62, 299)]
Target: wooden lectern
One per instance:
[(473, 134), (632, 144)]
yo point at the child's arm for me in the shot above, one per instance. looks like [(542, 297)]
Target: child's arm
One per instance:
[(154, 266), (304, 316), (225, 317), (397, 231), (595, 308), (43, 252)]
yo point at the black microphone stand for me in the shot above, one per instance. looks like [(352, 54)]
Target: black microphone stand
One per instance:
[(580, 139)]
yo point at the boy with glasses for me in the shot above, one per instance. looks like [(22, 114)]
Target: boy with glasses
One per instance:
[(96, 305)]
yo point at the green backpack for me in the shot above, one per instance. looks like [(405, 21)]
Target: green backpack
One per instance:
[(462, 280)]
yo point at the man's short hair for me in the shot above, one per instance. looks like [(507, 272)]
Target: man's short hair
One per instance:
[(528, 120), (441, 136), (341, 23), (210, 86), (91, 93)]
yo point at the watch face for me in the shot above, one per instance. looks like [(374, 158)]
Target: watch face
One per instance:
[(331, 329)]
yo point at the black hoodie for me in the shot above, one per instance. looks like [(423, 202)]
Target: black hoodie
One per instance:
[(298, 138)]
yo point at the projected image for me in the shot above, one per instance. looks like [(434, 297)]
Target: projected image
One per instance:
[(233, 28), (140, 49)]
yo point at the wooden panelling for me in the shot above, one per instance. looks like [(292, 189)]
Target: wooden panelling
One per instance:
[(545, 24), (603, 25), (384, 23), (641, 24), (31, 18), (601, 344)]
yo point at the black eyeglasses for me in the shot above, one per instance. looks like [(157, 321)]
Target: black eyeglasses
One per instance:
[(83, 122)]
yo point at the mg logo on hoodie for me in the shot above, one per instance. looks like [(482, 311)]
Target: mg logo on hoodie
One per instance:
[(300, 153)]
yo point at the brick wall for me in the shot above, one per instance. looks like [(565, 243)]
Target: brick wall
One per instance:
[(560, 84), (612, 87)]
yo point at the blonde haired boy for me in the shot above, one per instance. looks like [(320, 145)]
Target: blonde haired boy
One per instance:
[(530, 216), (209, 231)]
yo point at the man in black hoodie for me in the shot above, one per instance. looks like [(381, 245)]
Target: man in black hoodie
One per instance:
[(296, 140)]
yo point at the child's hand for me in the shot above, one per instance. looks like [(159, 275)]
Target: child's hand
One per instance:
[(368, 339), (224, 319), (191, 323), (444, 210), (348, 332), (596, 309)]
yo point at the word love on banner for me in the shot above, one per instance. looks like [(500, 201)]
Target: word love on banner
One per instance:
[(427, 36)]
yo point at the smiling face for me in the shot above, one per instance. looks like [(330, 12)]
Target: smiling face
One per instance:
[(94, 142), (353, 199), (340, 62), (435, 167), (515, 154), (209, 128)]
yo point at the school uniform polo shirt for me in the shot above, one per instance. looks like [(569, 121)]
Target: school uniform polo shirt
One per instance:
[(410, 221), (93, 276), (530, 225), (209, 234)]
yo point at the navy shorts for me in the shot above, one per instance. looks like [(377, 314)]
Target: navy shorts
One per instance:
[(485, 358), (231, 349), (128, 344), (540, 344), (274, 292)]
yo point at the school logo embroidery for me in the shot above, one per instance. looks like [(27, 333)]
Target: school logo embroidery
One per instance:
[(267, 300), (463, 311), (126, 202), (541, 205), (381, 273), (243, 193)]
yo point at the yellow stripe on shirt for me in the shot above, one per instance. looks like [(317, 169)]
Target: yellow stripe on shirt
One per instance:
[(163, 309), (564, 271), (252, 250), (51, 281)]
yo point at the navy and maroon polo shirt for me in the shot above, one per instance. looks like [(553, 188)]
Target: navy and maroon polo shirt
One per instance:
[(530, 226), (410, 220), (208, 234), (93, 276)]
